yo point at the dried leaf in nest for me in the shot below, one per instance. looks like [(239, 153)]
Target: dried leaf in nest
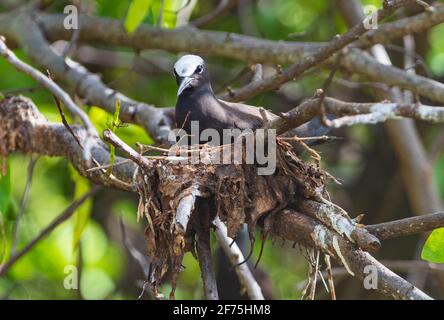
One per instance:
[(230, 197), (309, 178), (261, 201)]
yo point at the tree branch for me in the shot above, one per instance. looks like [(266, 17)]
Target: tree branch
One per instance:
[(362, 63), (316, 58), (398, 265), (217, 43), (351, 113), (408, 226), (235, 256), (205, 258), (47, 83), (23, 128), (300, 228), (245, 48), (333, 217)]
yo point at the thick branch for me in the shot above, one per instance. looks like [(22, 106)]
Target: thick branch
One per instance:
[(351, 113), (245, 48), (185, 208), (360, 62), (407, 226), (23, 128), (333, 217)]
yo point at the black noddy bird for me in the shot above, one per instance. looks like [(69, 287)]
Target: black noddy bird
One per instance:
[(197, 102)]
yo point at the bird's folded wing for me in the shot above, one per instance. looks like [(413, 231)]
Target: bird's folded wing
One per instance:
[(246, 114)]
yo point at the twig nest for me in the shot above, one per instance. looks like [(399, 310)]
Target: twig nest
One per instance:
[(174, 193)]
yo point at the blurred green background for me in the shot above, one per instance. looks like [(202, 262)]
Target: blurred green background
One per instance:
[(363, 160)]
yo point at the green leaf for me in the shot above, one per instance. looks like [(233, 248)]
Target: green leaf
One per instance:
[(116, 122), (82, 215), (137, 11), (433, 249), (114, 125), (5, 189)]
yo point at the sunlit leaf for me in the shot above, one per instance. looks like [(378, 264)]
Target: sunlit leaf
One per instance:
[(433, 249), (137, 11)]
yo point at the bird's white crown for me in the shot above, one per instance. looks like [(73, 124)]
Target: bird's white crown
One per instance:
[(187, 64)]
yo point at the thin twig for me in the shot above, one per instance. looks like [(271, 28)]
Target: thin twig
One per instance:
[(23, 203), (222, 8), (140, 258), (65, 215), (301, 228), (110, 137), (397, 265)]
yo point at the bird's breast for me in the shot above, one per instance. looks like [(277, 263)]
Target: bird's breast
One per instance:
[(208, 115)]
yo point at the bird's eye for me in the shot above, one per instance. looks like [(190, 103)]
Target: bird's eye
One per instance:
[(199, 69)]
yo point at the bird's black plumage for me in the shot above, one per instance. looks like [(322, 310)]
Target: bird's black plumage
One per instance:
[(197, 102)]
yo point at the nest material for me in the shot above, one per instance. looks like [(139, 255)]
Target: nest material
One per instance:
[(236, 193)]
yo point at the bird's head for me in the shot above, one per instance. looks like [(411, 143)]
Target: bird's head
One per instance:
[(190, 72)]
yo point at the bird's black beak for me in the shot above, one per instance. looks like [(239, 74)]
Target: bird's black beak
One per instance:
[(184, 83)]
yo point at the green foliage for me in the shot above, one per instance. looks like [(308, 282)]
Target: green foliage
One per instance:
[(137, 12), (5, 201), (81, 217), (5, 188), (96, 284), (435, 56), (433, 249), (153, 12), (52, 191), (129, 133)]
